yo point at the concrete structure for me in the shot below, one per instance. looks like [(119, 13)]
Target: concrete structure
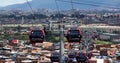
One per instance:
[(109, 37)]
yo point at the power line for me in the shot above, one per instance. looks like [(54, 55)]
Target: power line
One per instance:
[(90, 4)]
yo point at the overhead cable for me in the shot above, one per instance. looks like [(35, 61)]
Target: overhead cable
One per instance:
[(31, 9), (90, 4), (110, 4)]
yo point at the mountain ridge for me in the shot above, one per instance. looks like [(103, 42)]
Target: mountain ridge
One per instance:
[(50, 4)]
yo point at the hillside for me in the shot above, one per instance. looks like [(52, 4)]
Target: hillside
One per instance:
[(50, 4)]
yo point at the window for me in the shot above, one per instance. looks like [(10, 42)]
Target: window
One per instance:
[(41, 58)]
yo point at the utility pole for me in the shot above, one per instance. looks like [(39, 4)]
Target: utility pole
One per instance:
[(50, 26), (22, 20)]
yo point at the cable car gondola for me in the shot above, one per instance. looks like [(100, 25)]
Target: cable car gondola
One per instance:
[(74, 35), (36, 36), (89, 54), (72, 54), (72, 57), (91, 47), (55, 57), (81, 57)]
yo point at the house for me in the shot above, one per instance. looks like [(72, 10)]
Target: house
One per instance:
[(47, 45), (13, 42)]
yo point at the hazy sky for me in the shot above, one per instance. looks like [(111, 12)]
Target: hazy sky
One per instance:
[(10, 2)]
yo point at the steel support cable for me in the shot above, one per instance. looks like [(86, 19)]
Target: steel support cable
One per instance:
[(73, 11), (90, 4), (72, 5), (96, 2), (31, 10), (30, 7), (58, 9)]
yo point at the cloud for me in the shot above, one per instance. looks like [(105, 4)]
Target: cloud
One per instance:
[(10, 2)]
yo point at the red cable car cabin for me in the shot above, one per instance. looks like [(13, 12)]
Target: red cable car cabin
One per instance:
[(55, 57), (74, 35), (36, 36), (72, 57), (82, 58), (89, 55)]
